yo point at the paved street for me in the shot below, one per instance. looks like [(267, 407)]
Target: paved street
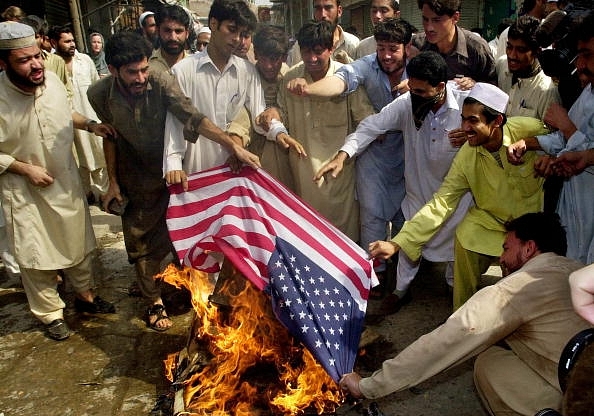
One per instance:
[(112, 365)]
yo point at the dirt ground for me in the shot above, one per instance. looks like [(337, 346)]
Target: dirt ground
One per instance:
[(113, 364)]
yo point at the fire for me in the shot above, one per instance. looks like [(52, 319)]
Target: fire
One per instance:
[(251, 364), (170, 366)]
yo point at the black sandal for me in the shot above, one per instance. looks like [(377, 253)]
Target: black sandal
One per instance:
[(158, 311)]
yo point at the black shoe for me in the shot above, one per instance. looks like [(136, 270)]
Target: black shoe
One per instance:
[(97, 306), (58, 330)]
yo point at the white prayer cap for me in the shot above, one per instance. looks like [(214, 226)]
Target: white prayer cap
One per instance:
[(14, 35), (144, 16), (204, 29), (489, 95)]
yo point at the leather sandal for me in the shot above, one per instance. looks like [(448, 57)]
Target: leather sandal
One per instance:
[(159, 312)]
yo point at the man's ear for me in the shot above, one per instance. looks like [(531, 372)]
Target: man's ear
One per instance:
[(113, 70), (456, 17), (3, 64), (498, 122), (530, 249)]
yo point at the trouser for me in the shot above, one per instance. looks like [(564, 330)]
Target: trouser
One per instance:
[(375, 228), (468, 268), (508, 386), (146, 269), (41, 288), (95, 181), (406, 270)]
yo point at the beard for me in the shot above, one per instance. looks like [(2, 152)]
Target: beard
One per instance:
[(173, 48), (130, 88), (22, 81)]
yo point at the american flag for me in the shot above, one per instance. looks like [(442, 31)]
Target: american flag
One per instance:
[(318, 278)]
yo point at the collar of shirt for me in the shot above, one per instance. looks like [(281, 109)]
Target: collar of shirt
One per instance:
[(203, 58)]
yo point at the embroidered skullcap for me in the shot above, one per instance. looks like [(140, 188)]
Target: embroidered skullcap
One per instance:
[(14, 35), (144, 16), (204, 29), (489, 95)]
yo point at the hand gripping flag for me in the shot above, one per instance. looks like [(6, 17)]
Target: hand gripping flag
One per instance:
[(318, 279)]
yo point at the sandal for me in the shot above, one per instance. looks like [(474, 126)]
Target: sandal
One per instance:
[(157, 311)]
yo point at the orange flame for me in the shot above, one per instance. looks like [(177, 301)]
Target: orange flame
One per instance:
[(170, 365), (254, 365)]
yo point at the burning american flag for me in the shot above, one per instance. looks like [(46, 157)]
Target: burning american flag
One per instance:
[(318, 279)]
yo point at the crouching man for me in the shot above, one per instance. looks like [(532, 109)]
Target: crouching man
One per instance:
[(517, 327)]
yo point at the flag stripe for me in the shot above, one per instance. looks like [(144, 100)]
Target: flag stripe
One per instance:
[(250, 198)]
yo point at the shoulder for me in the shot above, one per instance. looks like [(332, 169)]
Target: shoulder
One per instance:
[(350, 39), (100, 87), (519, 127), (296, 71)]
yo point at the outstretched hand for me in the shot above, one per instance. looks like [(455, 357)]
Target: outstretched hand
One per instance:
[(287, 142), (383, 249), (349, 383)]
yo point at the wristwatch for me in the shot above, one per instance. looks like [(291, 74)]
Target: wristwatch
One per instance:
[(89, 123)]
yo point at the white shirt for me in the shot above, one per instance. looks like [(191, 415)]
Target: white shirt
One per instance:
[(428, 154), (219, 96)]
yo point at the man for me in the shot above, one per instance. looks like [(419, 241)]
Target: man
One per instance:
[(202, 38), (271, 45), (52, 61), (575, 132), (428, 151), (534, 8), (321, 124), (530, 91), (219, 84), (379, 11), (136, 102), (517, 327), (148, 28), (380, 168), (500, 191), (468, 55), (173, 26), (48, 223), (344, 43), (89, 148)]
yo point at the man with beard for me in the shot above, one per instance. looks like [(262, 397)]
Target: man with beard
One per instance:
[(344, 43), (468, 55), (47, 220), (426, 118), (148, 27), (379, 10), (89, 148), (380, 168), (173, 26), (530, 91), (321, 124), (517, 328), (500, 190), (575, 132), (136, 103)]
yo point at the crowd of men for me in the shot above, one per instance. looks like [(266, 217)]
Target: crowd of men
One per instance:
[(420, 143)]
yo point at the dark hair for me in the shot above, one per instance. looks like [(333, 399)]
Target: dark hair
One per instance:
[(314, 34), (55, 32), (428, 66), (126, 47), (524, 29), (271, 41), (441, 7), (395, 4), (585, 30), (393, 30), (172, 12), (38, 24), (527, 5), (489, 113), (544, 228), (236, 11)]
